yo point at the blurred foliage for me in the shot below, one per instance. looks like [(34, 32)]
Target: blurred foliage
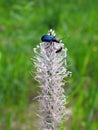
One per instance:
[(21, 25)]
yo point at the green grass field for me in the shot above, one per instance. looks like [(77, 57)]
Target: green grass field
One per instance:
[(22, 23)]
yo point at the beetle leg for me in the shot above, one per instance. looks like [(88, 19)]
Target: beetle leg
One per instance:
[(48, 45)]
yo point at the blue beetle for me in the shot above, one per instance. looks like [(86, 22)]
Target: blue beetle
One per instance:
[(49, 38)]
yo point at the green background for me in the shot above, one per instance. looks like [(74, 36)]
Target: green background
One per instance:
[(22, 23)]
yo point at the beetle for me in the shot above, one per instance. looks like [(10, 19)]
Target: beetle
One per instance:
[(59, 50), (49, 38)]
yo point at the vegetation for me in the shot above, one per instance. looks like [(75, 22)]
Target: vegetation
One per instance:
[(22, 23)]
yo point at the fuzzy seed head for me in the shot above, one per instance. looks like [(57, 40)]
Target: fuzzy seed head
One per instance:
[(50, 72)]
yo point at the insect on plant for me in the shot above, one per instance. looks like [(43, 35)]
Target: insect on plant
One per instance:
[(51, 68), (51, 39)]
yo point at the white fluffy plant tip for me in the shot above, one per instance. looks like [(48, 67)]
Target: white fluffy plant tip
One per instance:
[(50, 63)]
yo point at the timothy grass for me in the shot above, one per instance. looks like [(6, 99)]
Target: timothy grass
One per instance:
[(22, 23)]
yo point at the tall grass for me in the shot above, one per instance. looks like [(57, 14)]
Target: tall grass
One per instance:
[(21, 25)]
